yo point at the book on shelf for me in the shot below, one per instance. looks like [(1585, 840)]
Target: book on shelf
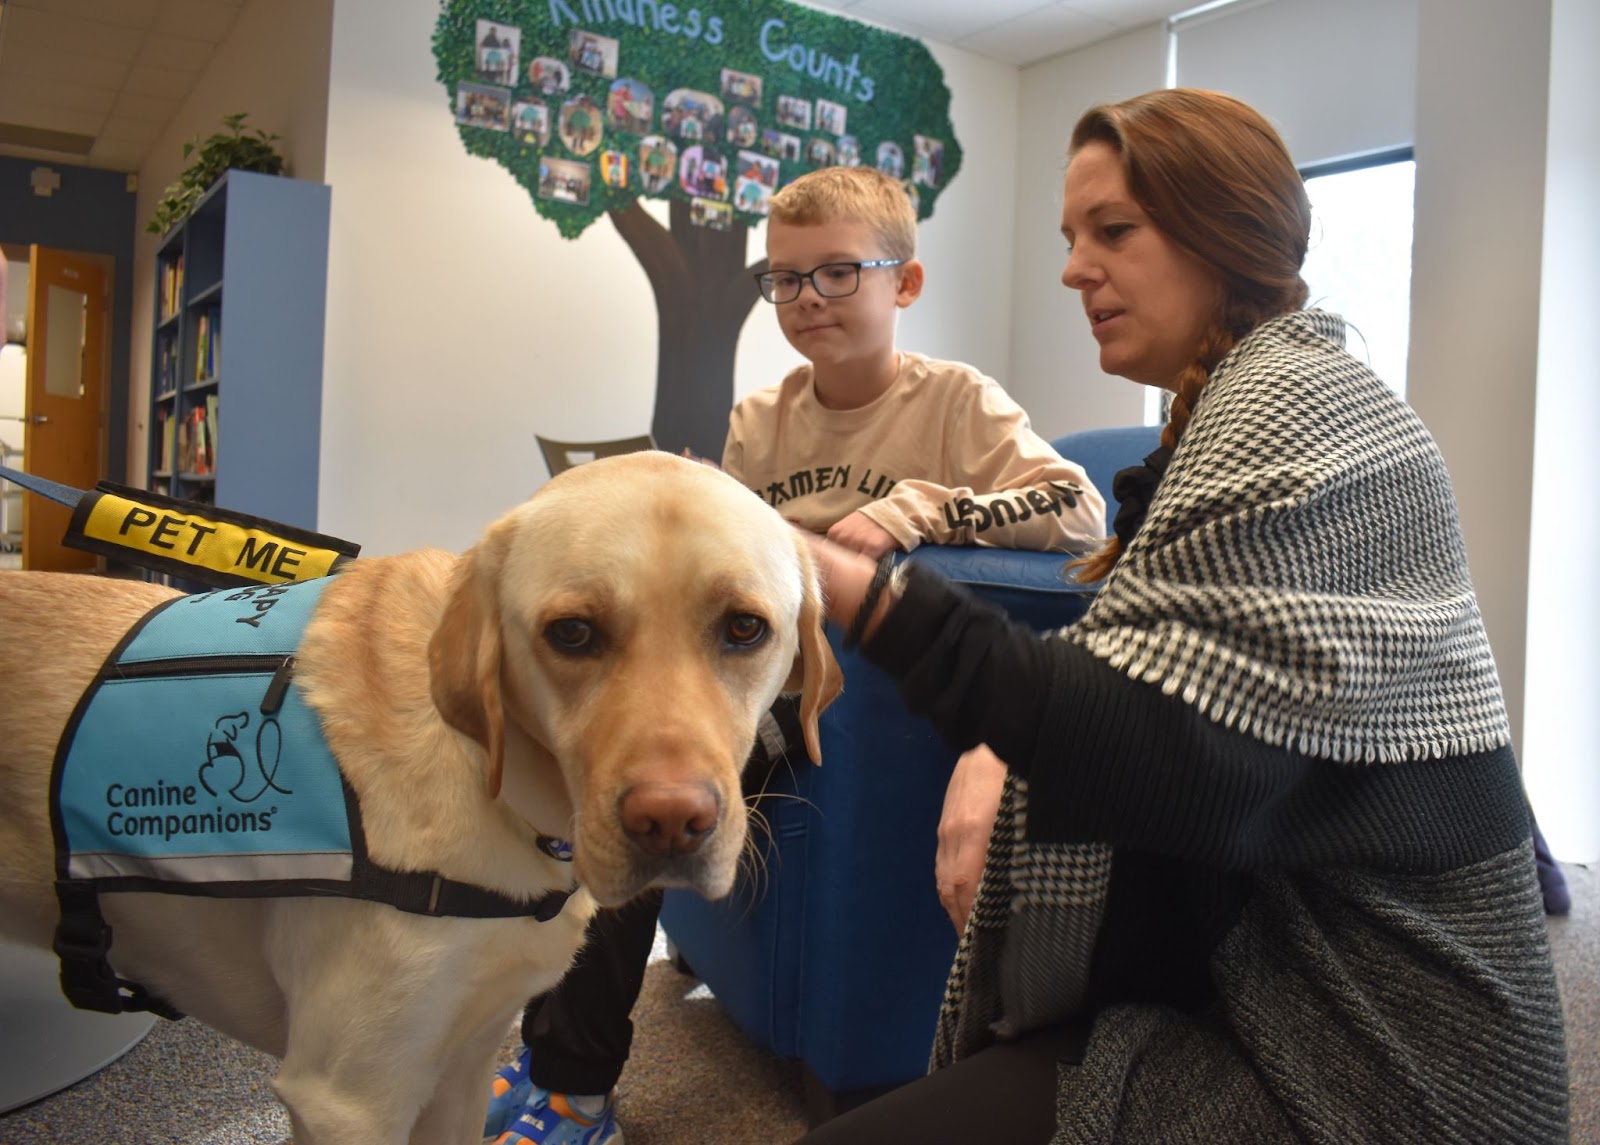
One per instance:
[(171, 286), (208, 342), (211, 425), (205, 457), (165, 428), (168, 380)]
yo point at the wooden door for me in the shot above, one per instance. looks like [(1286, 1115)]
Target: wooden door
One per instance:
[(63, 440)]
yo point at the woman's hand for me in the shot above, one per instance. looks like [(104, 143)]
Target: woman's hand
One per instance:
[(971, 802), (844, 575)]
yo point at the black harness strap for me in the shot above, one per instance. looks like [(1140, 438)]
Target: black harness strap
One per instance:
[(418, 892), (83, 937), (82, 941)]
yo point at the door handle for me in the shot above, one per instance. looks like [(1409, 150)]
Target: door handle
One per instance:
[(39, 419)]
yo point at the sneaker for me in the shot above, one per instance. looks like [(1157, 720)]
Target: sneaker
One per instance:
[(508, 1093), (560, 1119)]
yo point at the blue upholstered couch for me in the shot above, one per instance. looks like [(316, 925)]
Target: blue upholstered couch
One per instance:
[(836, 954)]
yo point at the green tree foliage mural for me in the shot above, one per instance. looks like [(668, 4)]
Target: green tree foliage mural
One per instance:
[(593, 104)]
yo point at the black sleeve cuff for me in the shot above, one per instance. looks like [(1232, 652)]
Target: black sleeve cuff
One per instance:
[(975, 674)]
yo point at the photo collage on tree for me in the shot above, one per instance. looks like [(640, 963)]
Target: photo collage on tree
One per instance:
[(722, 150)]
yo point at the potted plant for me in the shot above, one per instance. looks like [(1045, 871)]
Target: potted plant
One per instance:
[(247, 150)]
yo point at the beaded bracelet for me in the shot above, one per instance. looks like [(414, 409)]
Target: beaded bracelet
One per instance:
[(858, 624)]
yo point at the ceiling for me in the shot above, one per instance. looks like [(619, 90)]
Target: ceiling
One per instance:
[(96, 81), (1012, 31)]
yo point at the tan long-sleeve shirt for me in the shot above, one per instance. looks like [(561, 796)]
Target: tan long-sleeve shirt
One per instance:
[(944, 456)]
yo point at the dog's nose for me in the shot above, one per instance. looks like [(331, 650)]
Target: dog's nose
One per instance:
[(669, 818)]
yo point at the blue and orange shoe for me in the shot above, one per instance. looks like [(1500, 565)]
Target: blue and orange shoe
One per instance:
[(560, 1119), (508, 1093)]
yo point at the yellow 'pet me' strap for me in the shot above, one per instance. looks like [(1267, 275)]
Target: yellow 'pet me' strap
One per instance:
[(203, 543)]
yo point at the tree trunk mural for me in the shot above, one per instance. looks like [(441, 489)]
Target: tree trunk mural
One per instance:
[(712, 110), (704, 290)]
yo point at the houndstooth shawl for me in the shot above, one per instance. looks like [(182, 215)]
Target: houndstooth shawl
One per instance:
[(1300, 578)]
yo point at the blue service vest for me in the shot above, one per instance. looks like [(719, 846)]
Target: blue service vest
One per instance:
[(193, 765), (194, 759)]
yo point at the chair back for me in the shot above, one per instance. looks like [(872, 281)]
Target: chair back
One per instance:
[(560, 456), (1102, 452)]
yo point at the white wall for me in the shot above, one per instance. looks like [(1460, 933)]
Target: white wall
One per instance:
[(1475, 285), (1055, 361), (967, 306), (274, 67), (1336, 77), (1561, 719), (460, 323)]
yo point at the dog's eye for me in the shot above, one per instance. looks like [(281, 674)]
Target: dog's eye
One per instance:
[(570, 634), (745, 630)]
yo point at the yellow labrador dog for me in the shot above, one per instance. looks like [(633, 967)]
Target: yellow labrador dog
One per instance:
[(592, 670)]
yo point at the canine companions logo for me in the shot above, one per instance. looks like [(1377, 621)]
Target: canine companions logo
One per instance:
[(245, 780), (245, 772)]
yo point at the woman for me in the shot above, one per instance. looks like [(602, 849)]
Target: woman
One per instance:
[(1262, 868)]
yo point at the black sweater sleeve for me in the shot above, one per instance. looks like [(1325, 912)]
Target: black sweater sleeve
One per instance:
[(1114, 760), (978, 675)]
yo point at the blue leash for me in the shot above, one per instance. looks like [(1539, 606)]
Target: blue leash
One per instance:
[(65, 494)]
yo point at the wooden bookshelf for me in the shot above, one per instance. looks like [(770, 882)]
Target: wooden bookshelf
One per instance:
[(236, 354)]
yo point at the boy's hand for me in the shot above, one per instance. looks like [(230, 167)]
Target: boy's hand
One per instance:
[(702, 460), (861, 533)]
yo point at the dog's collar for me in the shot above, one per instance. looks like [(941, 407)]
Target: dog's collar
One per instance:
[(558, 849)]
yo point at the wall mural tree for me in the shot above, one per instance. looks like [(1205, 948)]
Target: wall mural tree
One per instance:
[(592, 105)]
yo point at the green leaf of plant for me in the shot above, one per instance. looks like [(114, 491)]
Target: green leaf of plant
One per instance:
[(207, 160)]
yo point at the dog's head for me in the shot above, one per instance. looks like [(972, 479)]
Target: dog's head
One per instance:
[(634, 619)]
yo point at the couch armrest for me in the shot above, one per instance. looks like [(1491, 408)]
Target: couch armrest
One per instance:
[(1038, 589)]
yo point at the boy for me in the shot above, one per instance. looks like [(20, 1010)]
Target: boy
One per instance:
[(881, 449)]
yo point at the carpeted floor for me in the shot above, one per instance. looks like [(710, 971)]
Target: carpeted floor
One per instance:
[(185, 1084), (1575, 939), (694, 1078)]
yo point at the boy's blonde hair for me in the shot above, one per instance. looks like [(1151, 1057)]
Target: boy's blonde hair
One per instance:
[(851, 194)]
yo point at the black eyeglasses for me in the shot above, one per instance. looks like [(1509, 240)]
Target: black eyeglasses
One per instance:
[(830, 280)]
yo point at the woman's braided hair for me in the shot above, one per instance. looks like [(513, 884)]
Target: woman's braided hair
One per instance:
[(1215, 177)]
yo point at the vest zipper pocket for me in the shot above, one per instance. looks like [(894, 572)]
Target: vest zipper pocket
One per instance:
[(280, 665)]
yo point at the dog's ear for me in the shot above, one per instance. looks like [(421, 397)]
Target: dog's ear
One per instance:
[(816, 673), (464, 659)]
